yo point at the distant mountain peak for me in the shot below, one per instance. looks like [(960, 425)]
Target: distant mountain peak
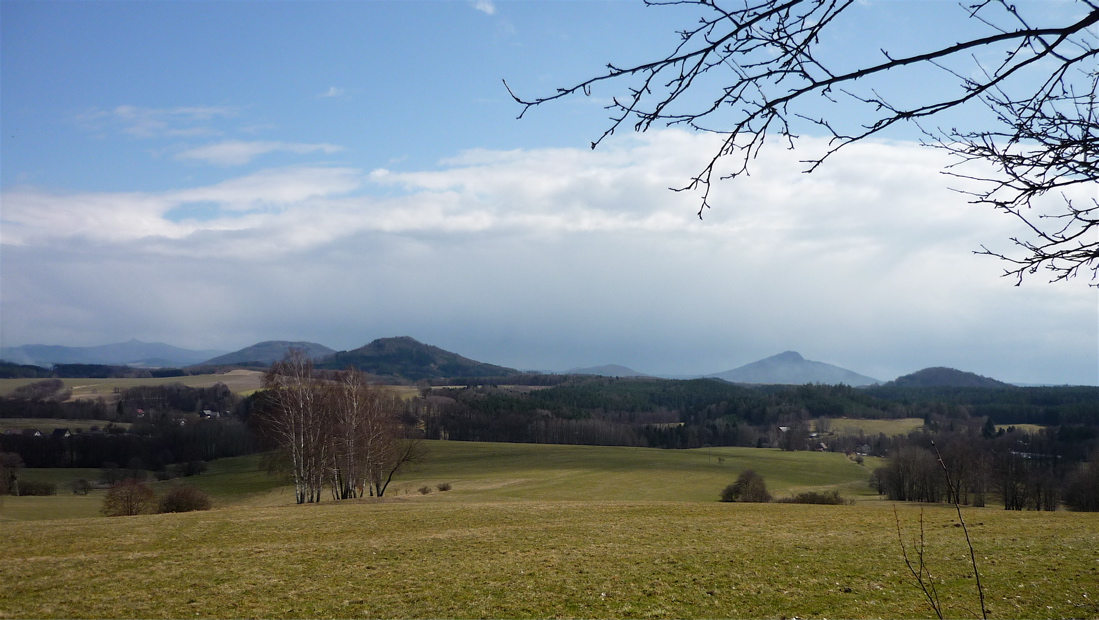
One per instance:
[(410, 359), (790, 368)]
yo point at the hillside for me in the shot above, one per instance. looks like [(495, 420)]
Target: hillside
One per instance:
[(945, 377), (269, 352), (407, 358), (608, 370), (790, 368), (132, 353)]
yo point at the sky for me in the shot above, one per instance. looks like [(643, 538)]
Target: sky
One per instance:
[(215, 174)]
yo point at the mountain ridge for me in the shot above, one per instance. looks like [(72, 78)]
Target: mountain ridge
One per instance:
[(941, 376), (407, 358), (790, 368), (131, 353), (269, 352), (607, 370)]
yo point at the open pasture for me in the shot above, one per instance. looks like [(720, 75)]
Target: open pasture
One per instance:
[(502, 472), (872, 428), (240, 381), (417, 557), (533, 531), (47, 425)]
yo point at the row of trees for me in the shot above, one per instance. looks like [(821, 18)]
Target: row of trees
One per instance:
[(1025, 471), (335, 430)]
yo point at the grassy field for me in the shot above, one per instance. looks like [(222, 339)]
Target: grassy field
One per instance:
[(240, 381), (872, 428), (46, 425), (533, 531), (502, 472)]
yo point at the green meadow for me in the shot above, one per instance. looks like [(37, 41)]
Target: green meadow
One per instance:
[(531, 531), (240, 381)]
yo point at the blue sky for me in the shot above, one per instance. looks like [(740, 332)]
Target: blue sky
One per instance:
[(213, 174)]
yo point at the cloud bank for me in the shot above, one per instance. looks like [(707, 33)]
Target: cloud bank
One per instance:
[(550, 259)]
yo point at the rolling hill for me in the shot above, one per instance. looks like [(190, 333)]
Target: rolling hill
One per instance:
[(269, 352), (790, 368), (132, 353), (939, 376), (608, 370), (411, 359)]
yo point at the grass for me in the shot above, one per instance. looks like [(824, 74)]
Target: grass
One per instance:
[(872, 428), (523, 559), (46, 425), (545, 531), (501, 471), (243, 382)]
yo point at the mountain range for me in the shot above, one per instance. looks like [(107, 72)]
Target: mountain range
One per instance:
[(132, 353), (408, 359)]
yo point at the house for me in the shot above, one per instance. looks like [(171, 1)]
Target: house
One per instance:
[(32, 432), (863, 450), (60, 433)]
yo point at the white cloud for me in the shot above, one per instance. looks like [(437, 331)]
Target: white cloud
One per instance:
[(331, 92), (488, 7), (554, 258), (159, 122), (238, 153)]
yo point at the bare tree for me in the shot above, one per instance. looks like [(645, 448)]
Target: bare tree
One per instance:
[(365, 427), (750, 69), (338, 430), (127, 498), (297, 420)]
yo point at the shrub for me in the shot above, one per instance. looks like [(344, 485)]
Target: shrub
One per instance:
[(1082, 489), (129, 497), (190, 468), (81, 487), (816, 497), (34, 487), (184, 499), (443, 486), (749, 487), (424, 490)]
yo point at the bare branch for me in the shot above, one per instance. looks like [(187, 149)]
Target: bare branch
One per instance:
[(762, 52)]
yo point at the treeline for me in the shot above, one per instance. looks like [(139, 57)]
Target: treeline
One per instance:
[(147, 427), (710, 412), (9, 370), (972, 464)]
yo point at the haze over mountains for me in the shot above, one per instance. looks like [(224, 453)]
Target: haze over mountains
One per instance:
[(132, 353), (790, 368), (408, 359)]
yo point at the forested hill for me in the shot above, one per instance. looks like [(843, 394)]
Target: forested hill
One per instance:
[(407, 358), (269, 352), (945, 377)]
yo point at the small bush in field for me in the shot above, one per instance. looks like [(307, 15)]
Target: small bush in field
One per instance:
[(443, 486), (749, 487), (33, 487), (816, 497), (424, 490), (184, 499), (129, 497)]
